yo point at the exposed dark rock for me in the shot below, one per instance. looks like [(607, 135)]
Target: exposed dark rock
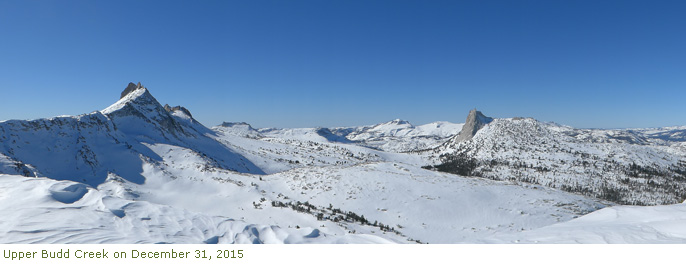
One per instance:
[(131, 87), (331, 136), (230, 124), (398, 122), (475, 121), (177, 108)]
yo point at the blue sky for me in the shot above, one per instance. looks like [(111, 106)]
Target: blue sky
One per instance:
[(340, 63)]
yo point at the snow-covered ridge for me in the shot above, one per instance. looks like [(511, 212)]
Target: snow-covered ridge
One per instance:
[(139, 110), (71, 212), (87, 147), (401, 128), (136, 157), (240, 129), (400, 136), (625, 166), (80, 148), (140, 172), (392, 136)]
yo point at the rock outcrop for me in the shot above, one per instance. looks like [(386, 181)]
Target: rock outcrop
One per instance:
[(177, 108), (131, 87), (475, 121), (230, 124)]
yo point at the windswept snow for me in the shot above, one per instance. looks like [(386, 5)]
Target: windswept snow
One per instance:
[(137, 172), (614, 225), (624, 166), (39, 210), (401, 136)]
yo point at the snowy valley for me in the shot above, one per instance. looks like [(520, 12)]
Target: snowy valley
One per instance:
[(142, 172)]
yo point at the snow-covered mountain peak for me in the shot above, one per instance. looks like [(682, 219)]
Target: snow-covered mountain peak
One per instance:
[(238, 129), (400, 135), (623, 166), (135, 95), (183, 112), (130, 88), (398, 121), (141, 172), (391, 127), (138, 113)]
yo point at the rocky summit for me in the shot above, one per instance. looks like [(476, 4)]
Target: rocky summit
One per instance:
[(141, 172), (177, 108), (131, 87), (475, 121)]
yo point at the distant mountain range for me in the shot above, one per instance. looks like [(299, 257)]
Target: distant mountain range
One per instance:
[(142, 172)]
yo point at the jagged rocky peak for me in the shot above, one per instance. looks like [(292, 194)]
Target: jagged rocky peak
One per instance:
[(135, 96), (139, 109), (130, 88), (475, 121), (177, 108)]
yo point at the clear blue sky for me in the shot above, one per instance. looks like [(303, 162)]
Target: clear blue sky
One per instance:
[(341, 63)]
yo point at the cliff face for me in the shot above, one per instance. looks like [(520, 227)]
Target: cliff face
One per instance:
[(475, 121), (131, 87), (178, 108), (621, 166)]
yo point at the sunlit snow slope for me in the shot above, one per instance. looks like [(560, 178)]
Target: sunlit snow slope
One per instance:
[(141, 172), (638, 167)]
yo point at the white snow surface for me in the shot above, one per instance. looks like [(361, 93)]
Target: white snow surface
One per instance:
[(401, 136), (41, 210), (135, 173), (612, 225), (394, 136), (596, 162)]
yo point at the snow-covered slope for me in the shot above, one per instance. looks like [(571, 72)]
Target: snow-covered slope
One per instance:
[(429, 206), (275, 154), (275, 150), (400, 136), (664, 135), (137, 159), (393, 136), (40, 210), (624, 166), (613, 225), (140, 172), (240, 129), (82, 148), (117, 140), (140, 116)]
